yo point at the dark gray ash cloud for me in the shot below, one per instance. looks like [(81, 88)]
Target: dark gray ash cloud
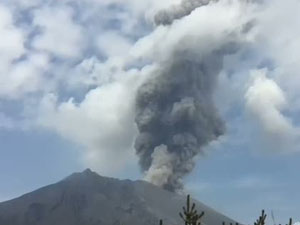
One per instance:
[(175, 112), (175, 109)]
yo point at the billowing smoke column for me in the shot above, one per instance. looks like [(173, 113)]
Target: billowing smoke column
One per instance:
[(176, 117), (178, 11), (175, 112)]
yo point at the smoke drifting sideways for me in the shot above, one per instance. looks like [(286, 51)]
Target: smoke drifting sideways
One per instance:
[(175, 112), (166, 17)]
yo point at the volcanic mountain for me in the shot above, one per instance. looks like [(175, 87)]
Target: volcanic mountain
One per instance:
[(87, 198)]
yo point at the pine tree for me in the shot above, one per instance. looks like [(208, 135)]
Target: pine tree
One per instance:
[(190, 215), (261, 220)]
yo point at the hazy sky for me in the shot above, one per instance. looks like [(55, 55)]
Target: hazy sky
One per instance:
[(69, 70)]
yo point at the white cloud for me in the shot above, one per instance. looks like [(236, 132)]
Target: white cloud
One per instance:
[(11, 39), (102, 123), (272, 99), (17, 77), (120, 47), (103, 117), (23, 77), (60, 34), (277, 31), (139, 7), (185, 33), (22, 4), (266, 101)]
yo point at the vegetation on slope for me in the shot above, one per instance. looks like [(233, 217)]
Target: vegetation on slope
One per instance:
[(190, 216)]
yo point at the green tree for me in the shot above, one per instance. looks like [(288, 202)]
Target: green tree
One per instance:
[(190, 215)]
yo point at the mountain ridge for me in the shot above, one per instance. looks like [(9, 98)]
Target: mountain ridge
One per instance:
[(86, 198)]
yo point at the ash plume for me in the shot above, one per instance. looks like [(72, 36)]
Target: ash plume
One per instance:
[(175, 114), (167, 16)]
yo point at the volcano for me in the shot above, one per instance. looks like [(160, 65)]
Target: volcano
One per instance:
[(87, 198)]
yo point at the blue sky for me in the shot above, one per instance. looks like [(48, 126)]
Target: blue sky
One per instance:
[(69, 71)]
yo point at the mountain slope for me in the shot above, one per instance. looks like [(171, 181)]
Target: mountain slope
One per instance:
[(89, 199)]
